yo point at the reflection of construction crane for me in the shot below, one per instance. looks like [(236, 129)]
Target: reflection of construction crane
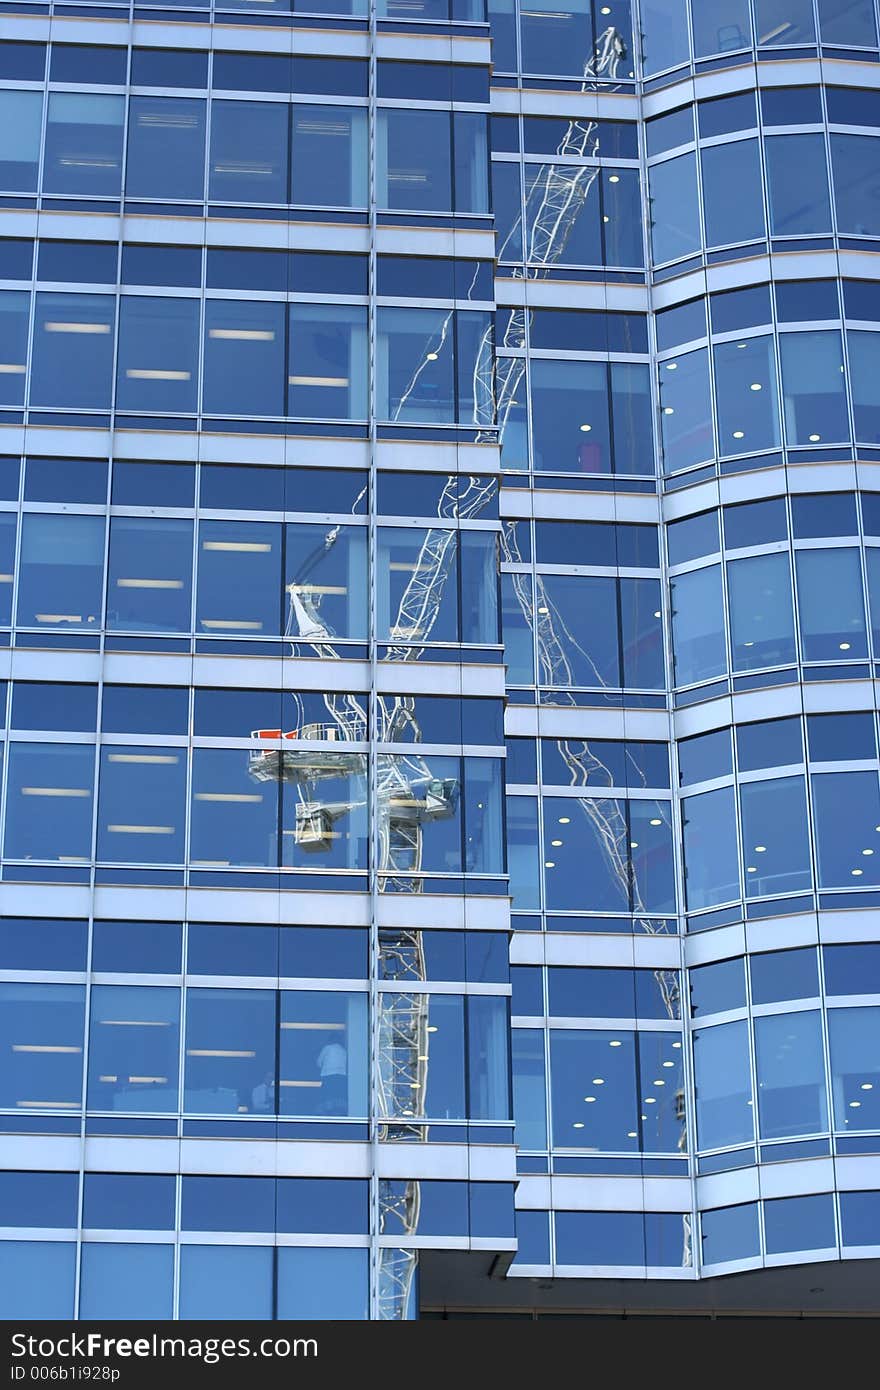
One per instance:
[(553, 204)]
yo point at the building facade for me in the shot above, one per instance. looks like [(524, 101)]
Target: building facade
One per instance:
[(439, 501)]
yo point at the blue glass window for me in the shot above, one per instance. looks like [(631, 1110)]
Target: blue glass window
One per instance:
[(32, 943), (841, 737), (761, 615), (73, 351), (864, 367), (780, 975), (244, 358), (860, 1218), (790, 1062), (732, 192), (798, 184), (41, 1047), (329, 156), (21, 115), (723, 1086), (846, 809), (698, 625), (713, 36), (230, 1051), (831, 603), (133, 1048), (710, 855), (45, 705), (610, 1119), (685, 410), (49, 801), (227, 1204), (704, 757), (717, 987), (769, 743), (852, 969), (333, 1206), (14, 307), (328, 362), (748, 407), (37, 1279), (843, 22), (158, 354), (799, 1223), (675, 210), (166, 148), (128, 1201), (854, 1040), (316, 1284), (149, 948), (38, 1199), (730, 1233), (141, 805), (248, 160), (239, 579), (776, 842), (234, 816), (219, 1282), (83, 147), (600, 1238), (61, 565), (126, 1281), (529, 1085), (149, 585)]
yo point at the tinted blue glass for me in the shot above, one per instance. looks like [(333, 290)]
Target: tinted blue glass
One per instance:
[(827, 514), (29, 943), (247, 270), (128, 1201), (228, 1204), (248, 159), (19, 161), (49, 801), (333, 1206), (66, 372), (317, 271), (38, 705), (846, 808), (647, 764), (38, 1199), (83, 144), (244, 358), (698, 625), (843, 737), (73, 62), (157, 597), (852, 969), (790, 1065), (591, 992), (610, 1120), (528, 990), (10, 477), (806, 301), (730, 1233), (705, 756), (157, 366), (775, 844), (733, 310), (854, 1040), (780, 975), (144, 947), (791, 106), (51, 1018), (338, 77), (755, 523), (774, 743), (832, 612), (329, 159), (717, 987), (486, 957), (252, 72), (861, 299), (168, 67), (855, 161), (166, 148), (669, 131), (733, 199), (24, 62), (161, 265), (57, 480), (723, 1088), (231, 950), (675, 228), (85, 262), (442, 1209), (576, 542), (860, 1218), (133, 1048), (16, 258), (844, 22), (37, 1279), (725, 114), (144, 709), (667, 1240), (320, 1284), (600, 1238), (150, 484), (60, 567), (230, 1051), (226, 1281), (692, 537), (141, 815), (126, 1281), (798, 182), (533, 1238)]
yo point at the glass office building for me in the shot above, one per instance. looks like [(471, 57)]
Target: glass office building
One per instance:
[(440, 588)]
